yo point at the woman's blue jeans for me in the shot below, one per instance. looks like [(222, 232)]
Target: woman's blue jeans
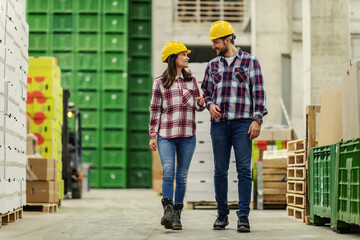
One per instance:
[(184, 149), (225, 135)]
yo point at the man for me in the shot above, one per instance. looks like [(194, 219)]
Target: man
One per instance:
[(235, 97)]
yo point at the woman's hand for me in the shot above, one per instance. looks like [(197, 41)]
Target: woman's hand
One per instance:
[(153, 144), (200, 101)]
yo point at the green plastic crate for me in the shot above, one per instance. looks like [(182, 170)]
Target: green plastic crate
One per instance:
[(139, 120), (39, 41), (113, 178), (113, 158), (67, 80), (114, 100), (63, 6), (88, 42), (38, 6), (66, 60), (90, 138), (87, 81), (38, 22), (91, 155), (91, 6), (140, 178), (114, 138), (88, 23), (113, 119), (63, 23), (140, 29), (62, 41), (140, 84), (90, 118), (87, 99), (140, 11), (346, 209), (114, 81), (88, 61), (115, 6), (322, 170), (95, 177), (115, 23), (138, 140), (140, 65), (114, 42), (115, 61), (139, 102), (140, 159), (140, 47)]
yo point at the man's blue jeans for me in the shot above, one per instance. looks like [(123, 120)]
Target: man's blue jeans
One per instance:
[(224, 135), (184, 149)]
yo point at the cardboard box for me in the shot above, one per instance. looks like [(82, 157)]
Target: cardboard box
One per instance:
[(56, 191), (43, 168), (265, 135), (31, 144), (282, 134), (40, 191)]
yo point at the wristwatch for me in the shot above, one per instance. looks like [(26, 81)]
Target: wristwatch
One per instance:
[(259, 121)]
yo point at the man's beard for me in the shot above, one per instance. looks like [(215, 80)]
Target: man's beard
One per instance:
[(222, 51)]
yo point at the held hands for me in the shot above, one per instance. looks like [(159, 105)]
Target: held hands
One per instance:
[(153, 144), (200, 101), (254, 130), (214, 111)]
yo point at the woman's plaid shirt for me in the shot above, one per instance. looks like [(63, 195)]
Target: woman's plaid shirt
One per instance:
[(237, 89), (172, 111)]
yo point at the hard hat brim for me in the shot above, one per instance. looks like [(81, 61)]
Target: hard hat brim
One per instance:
[(187, 52)]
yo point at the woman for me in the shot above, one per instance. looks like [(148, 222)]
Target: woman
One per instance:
[(172, 121)]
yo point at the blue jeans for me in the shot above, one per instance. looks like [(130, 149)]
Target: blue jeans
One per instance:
[(225, 135), (184, 149)]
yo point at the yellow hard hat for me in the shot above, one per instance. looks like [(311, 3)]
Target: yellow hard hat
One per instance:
[(220, 29), (173, 47)]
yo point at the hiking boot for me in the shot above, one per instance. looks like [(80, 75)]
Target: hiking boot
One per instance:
[(177, 216), (221, 221), (167, 219), (243, 224)]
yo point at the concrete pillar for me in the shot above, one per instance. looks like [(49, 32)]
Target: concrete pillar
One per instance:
[(271, 38), (326, 46)]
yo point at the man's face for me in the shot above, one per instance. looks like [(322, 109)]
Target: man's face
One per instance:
[(219, 46)]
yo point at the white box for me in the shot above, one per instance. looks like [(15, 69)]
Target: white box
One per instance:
[(203, 146), (200, 186), (200, 196)]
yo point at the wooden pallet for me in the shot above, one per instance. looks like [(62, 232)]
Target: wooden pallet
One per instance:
[(209, 205), (41, 207), (9, 217), (296, 173), (297, 145), (296, 160), (295, 200), (298, 187), (296, 213)]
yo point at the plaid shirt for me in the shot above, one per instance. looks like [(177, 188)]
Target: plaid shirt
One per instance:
[(237, 89), (172, 111)]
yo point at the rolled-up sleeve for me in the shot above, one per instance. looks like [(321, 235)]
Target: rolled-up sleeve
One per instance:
[(208, 87), (258, 91), (197, 94), (155, 110)]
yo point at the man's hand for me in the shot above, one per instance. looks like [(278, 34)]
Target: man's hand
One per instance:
[(200, 101), (254, 130), (153, 144), (214, 111)]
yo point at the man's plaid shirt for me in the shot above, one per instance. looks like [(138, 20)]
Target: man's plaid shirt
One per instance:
[(172, 111), (237, 89)]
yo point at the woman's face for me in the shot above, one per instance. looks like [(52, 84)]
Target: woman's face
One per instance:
[(182, 60)]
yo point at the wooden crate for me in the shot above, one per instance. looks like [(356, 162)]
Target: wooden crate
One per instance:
[(298, 187)]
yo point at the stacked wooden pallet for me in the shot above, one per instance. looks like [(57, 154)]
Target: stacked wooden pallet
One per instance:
[(296, 176)]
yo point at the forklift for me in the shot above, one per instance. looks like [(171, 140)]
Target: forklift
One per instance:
[(72, 149)]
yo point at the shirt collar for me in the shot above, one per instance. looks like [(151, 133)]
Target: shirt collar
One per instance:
[(238, 55)]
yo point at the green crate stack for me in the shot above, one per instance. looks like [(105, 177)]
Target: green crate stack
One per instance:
[(346, 201), (114, 93), (322, 173), (140, 82)]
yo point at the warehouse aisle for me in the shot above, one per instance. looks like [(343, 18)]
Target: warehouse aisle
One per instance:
[(135, 214)]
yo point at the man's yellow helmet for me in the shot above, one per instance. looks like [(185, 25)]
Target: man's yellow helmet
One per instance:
[(220, 29)]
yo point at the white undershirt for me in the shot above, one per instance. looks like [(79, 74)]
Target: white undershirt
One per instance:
[(230, 60)]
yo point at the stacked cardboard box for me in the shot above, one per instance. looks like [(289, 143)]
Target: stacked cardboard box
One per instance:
[(44, 106), (14, 34)]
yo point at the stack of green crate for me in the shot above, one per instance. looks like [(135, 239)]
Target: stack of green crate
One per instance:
[(140, 82), (114, 93)]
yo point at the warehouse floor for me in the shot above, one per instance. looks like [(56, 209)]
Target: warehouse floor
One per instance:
[(135, 214)]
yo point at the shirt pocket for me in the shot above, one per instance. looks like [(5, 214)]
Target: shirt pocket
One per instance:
[(241, 75), (188, 98), (216, 76)]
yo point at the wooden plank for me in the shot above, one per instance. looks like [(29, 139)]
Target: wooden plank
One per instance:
[(274, 198), (274, 185), (278, 163), (269, 191), (298, 187), (296, 213), (209, 205), (295, 200), (274, 178), (270, 171)]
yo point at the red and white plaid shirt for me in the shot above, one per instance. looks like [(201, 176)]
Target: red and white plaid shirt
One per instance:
[(172, 110)]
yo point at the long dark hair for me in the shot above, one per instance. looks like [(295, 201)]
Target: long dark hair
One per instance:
[(169, 75)]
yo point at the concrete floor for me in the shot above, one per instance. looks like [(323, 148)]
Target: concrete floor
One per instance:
[(135, 214)]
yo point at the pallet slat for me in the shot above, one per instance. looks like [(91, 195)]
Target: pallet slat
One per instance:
[(41, 207), (12, 216)]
